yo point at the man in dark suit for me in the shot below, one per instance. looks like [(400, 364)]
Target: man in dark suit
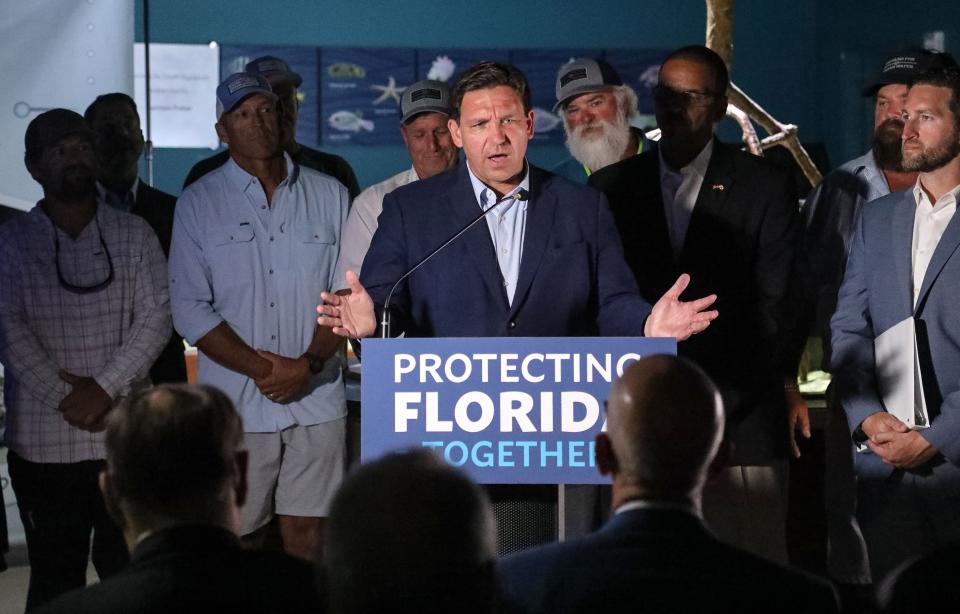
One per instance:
[(119, 144), (176, 478), (545, 262), (284, 83), (904, 269), (730, 220), (664, 429)]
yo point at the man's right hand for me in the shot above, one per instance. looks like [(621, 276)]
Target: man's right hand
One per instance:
[(87, 404), (348, 315), (882, 422)]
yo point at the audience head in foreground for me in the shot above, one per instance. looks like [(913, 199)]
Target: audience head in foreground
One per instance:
[(408, 533), (175, 480), (175, 457), (664, 429)]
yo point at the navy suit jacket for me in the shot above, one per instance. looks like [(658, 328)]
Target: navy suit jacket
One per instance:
[(877, 293), (654, 561), (197, 569), (573, 279)]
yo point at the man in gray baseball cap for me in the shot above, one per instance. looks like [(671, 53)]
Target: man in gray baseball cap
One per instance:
[(284, 82), (596, 108), (424, 111)]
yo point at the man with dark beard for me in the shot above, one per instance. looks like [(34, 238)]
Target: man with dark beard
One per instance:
[(596, 108), (118, 144), (830, 214), (904, 268), (84, 312)]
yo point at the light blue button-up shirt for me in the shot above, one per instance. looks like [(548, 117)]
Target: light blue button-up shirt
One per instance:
[(507, 224), (260, 268)]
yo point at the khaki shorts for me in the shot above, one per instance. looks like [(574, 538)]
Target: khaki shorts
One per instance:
[(293, 472)]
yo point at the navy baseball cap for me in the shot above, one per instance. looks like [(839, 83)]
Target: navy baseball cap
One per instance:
[(902, 68), (427, 96), (583, 76), (238, 87), (272, 66)]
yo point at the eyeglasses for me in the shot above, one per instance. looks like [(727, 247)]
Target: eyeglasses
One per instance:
[(667, 95), (83, 289)]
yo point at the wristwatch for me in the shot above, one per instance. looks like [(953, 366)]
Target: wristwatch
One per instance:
[(316, 363)]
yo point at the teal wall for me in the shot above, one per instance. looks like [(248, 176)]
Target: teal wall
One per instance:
[(793, 58)]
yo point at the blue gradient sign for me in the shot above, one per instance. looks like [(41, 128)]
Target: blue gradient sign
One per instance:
[(505, 410)]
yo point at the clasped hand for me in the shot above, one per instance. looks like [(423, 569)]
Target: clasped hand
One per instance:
[(287, 379), (86, 405), (895, 442)]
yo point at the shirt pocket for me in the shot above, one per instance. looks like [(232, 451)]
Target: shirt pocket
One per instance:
[(232, 253), (314, 247)]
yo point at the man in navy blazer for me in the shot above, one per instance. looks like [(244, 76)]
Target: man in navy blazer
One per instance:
[(545, 262), (904, 263), (664, 430)]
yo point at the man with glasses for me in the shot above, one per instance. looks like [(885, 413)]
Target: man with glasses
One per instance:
[(729, 219), (84, 312)]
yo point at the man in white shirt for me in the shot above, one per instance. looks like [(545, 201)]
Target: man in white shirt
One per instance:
[(424, 111), (902, 265)]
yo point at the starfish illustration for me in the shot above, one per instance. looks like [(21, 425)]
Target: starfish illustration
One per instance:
[(390, 90)]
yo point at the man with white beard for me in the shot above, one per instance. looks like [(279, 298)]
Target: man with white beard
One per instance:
[(596, 108)]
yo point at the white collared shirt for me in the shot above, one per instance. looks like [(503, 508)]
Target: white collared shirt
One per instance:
[(642, 504), (929, 224), (507, 224), (679, 208), (122, 204)]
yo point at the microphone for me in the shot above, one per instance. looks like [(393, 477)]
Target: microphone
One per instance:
[(520, 196)]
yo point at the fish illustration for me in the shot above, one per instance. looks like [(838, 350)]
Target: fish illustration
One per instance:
[(544, 121), (349, 121), (441, 69), (345, 70)]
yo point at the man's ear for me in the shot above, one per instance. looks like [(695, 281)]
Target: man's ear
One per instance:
[(606, 459), (221, 133), (33, 169), (454, 127), (721, 110), (110, 499)]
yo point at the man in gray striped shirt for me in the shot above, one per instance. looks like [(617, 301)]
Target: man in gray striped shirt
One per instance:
[(84, 312)]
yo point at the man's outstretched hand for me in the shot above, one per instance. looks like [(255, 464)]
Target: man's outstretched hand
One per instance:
[(348, 315), (672, 317)]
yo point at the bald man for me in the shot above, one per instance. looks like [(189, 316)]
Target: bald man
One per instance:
[(665, 424)]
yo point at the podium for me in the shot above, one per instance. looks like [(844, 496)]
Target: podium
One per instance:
[(518, 414)]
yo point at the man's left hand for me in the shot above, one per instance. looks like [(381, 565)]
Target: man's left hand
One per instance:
[(672, 317), (288, 378), (902, 450), (86, 405), (798, 417)]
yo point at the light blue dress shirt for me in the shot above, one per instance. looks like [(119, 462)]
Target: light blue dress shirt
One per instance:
[(507, 224), (260, 268)]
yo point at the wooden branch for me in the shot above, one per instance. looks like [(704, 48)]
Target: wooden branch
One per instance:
[(750, 138), (720, 29)]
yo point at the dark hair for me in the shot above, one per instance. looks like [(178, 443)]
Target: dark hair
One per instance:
[(944, 72), (705, 57), (486, 75), (409, 533), (104, 99), (172, 447)]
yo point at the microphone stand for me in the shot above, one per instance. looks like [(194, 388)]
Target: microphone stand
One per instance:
[(522, 195)]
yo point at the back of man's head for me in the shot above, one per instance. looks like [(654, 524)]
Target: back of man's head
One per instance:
[(174, 456), (409, 533), (664, 426)]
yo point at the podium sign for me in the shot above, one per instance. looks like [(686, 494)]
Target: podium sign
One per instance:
[(505, 410)]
